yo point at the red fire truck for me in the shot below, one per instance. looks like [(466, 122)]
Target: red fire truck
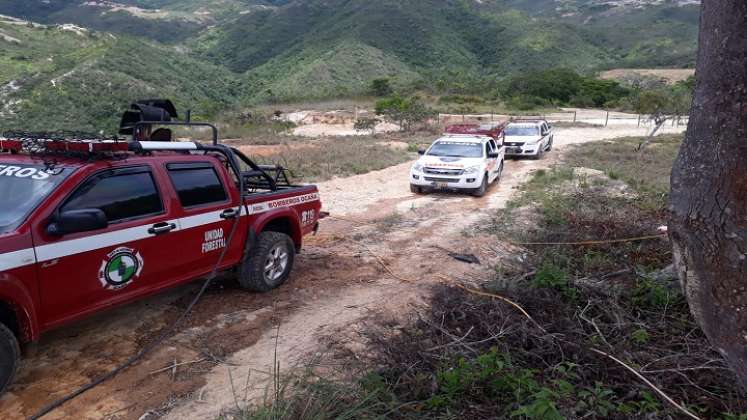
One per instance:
[(89, 224)]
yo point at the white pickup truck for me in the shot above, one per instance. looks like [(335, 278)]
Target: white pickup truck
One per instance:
[(531, 138), (465, 162)]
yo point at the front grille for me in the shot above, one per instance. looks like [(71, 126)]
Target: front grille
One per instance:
[(434, 179), (514, 143), (442, 171)]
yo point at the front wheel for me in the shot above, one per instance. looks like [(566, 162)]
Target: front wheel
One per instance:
[(416, 189), (269, 264), (483, 187), (10, 357)]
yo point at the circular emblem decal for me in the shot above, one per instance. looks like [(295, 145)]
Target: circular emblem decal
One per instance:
[(120, 268)]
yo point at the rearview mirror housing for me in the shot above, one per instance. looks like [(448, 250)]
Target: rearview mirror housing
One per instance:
[(74, 221), (421, 151)]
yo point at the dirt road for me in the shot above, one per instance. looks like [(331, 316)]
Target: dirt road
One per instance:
[(226, 351)]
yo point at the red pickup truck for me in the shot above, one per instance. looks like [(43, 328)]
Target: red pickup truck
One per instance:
[(87, 225)]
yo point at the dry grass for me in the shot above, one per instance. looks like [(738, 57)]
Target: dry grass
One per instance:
[(336, 157)]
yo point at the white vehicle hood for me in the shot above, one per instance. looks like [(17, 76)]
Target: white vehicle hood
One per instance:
[(522, 139), (449, 162)]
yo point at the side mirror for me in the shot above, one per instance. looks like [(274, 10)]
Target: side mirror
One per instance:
[(421, 151), (493, 155), (74, 221)]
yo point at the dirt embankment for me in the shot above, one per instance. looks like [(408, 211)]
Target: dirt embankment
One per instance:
[(233, 338)]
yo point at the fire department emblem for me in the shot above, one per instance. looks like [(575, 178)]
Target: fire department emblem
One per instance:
[(120, 268)]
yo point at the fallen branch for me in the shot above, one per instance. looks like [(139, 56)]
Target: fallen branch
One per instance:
[(507, 300), (174, 365), (601, 242), (649, 383)]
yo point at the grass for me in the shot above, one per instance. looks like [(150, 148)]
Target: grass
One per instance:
[(337, 157)]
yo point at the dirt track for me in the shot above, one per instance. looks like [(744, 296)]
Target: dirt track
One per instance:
[(337, 282)]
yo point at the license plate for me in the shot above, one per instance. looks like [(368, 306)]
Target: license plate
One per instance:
[(442, 184), (514, 149)]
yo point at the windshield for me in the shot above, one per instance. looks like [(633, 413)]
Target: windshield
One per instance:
[(517, 130), (456, 149), (22, 188)]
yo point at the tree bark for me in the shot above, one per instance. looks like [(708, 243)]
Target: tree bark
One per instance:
[(708, 201)]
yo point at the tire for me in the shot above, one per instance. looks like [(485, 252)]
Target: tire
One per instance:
[(483, 187), (269, 264), (415, 189), (500, 172), (549, 145), (10, 357), (539, 155)]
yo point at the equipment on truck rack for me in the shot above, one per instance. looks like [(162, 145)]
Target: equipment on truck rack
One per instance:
[(139, 122)]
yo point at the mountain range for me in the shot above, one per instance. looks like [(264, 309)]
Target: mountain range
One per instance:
[(72, 63)]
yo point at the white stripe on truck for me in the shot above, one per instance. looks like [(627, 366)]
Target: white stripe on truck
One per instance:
[(15, 259)]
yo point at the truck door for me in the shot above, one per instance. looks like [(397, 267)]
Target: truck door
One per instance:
[(87, 271), (493, 163), (208, 211)]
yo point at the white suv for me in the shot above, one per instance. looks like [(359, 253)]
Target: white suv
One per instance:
[(458, 162), (528, 138)]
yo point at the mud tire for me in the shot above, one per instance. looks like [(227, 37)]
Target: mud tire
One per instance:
[(10, 357), (549, 144), (480, 192), (416, 190), (255, 274), (540, 154)]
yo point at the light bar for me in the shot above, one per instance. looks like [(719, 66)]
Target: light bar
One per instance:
[(162, 145), (10, 145)]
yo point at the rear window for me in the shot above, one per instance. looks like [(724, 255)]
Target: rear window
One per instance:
[(122, 195), (22, 188), (197, 184)]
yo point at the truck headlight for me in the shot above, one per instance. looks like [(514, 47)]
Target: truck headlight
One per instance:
[(472, 169), (417, 167)]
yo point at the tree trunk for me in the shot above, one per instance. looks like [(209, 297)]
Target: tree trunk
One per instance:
[(708, 202)]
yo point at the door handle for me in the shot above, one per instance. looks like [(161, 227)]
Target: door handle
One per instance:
[(229, 213), (161, 228)]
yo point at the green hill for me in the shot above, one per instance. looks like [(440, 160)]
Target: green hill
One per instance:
[(52, 78)]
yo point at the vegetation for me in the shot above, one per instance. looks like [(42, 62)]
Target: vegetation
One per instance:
[(561, 87), (404, 112), (59, 79), (339, 157)]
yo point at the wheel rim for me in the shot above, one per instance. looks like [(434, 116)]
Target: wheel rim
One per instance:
[(276, 263)]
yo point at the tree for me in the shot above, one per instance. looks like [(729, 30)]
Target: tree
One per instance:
[(404, 112), (708, 201), (366, 124), (381, 87)]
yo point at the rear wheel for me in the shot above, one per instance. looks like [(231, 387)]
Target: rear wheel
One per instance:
[(549, 144), (10, 357), (269, 264), (483, 187), (500, 172)]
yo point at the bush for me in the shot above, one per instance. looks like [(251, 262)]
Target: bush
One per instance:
[(405, 112), (381, 87), (560, 87)]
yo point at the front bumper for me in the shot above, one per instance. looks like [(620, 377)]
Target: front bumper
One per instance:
[(461, 182), (527, 149)]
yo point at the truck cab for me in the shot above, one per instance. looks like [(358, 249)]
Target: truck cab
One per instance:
[(86, 225)]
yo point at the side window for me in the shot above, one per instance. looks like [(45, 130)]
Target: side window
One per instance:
[(197, 184), (121, 194)]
